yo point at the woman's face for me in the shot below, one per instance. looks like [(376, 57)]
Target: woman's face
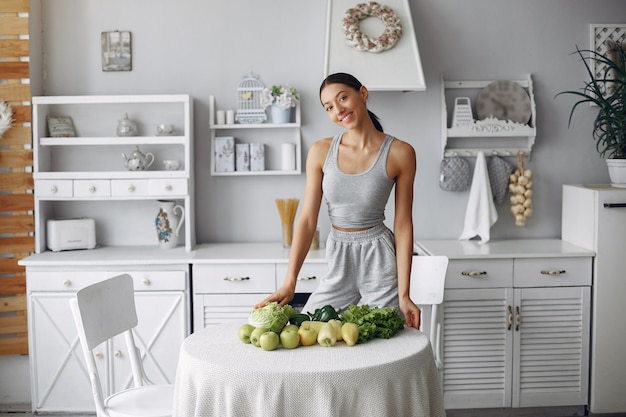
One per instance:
[(344, 105)]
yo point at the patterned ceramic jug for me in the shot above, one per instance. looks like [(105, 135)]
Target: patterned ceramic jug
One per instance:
[(167, 224)]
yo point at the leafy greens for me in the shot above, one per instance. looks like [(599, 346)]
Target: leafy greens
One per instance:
[(382, 322), (271, 316)]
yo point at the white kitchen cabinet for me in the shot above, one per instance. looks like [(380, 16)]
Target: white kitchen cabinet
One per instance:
[(86, 176), (229, 279), (516, 323), (59, 380), (272, 135), (594, 217)]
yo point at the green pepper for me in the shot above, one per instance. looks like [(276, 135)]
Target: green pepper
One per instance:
[(297, 319), (325, 313)]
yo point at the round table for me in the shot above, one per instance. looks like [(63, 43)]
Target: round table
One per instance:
[(218, 375)]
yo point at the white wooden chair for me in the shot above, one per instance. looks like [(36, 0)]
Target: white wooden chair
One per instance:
[(102, 311), (428, 276)]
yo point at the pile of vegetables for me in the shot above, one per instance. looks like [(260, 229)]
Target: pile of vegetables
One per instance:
[(272, 325)]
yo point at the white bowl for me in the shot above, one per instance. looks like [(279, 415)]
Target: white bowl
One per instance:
[(171, 164), (164, 130)]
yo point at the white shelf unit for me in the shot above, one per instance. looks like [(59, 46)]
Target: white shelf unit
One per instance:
[(272, 135), (85, 176), (492, 136)]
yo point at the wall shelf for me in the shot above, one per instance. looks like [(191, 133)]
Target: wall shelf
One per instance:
[(491, 135)]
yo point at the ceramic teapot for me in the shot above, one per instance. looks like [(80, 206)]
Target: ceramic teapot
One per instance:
[(137, 160), (126, 127)]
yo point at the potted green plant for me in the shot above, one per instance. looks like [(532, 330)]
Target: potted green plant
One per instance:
[(607, 90)]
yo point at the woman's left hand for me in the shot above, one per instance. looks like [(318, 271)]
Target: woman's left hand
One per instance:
[(412, 313)]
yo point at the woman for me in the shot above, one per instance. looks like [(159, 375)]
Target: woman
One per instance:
[(355, 171)]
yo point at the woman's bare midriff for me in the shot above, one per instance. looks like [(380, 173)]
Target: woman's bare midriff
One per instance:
[(343, 229)]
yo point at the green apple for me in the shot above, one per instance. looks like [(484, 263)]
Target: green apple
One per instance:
[(289, 337), (269, 340), (245, 331), (255, 336), (307, 335)]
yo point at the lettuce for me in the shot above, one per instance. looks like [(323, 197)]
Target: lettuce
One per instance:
[(382, 322), (271, 316)]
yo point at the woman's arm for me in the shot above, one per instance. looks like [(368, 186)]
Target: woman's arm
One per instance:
[(306, 223), (404, 165)]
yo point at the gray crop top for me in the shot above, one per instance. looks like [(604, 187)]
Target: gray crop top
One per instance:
[(356, 200)]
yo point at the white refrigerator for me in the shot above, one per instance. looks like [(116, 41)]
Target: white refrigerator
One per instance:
[(594, 217)]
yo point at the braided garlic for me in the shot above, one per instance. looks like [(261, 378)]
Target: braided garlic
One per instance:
[(520, 186)]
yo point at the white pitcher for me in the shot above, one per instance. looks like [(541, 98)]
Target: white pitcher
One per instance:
[(167, 224)]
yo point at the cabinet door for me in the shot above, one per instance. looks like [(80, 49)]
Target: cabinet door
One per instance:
[(477, 347), (551, 366), (59, 379), (212, 309), (159, 336)]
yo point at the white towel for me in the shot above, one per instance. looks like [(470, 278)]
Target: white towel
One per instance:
[(481, 212)]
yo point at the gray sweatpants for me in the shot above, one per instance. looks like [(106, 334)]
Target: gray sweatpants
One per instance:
[(362, 270)]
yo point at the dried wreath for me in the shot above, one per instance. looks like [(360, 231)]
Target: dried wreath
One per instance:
[(362, 42)]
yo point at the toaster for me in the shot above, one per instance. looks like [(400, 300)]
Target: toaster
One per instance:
[(69, 234)]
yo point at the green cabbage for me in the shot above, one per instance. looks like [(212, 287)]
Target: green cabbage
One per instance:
[(271, 316)]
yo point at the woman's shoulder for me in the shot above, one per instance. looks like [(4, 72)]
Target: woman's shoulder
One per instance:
[(401, 147)]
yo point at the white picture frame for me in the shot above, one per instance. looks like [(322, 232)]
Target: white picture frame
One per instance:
[(598, 35), (396, 69)]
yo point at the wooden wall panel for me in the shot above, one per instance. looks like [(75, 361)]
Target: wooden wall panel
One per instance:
[(16, 182)]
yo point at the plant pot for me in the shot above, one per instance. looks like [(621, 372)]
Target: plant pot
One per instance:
[(617, 172), (280, 115)]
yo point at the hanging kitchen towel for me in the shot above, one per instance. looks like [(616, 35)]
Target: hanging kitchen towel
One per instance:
[(454, 174), (499, 173), (481, 212)]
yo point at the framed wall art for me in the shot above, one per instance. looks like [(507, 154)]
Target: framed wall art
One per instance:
[(116, 51), (375, 42)]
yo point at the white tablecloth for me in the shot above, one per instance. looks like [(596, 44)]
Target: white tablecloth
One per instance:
[(220, 376)]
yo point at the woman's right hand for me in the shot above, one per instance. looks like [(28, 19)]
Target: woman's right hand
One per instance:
[(282, 296)]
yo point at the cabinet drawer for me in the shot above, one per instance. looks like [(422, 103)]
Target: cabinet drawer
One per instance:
[(129, 188), (480, 273), (552, 272), (234, 278), (168, 186), (308, 279), (75, 280), (92, 188), (54, 188)]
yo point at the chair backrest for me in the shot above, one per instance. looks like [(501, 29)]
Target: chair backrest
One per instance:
[(428, 276), (102, 311)]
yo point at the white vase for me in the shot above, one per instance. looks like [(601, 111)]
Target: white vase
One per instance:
[(617, 172), (167, 224), (280, 115)]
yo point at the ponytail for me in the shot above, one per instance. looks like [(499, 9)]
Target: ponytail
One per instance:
[(376, 121)]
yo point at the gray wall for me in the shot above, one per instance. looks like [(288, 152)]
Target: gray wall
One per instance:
[(206, 47)]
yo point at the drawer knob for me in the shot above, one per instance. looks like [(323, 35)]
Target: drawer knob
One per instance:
[(67, 283), (145, 281), (168, 187), (473, 273), (98, 355), (92, 189), (131, 188), (553, 272), (233, 279), (118, 354), (54, 189), (312, 277)]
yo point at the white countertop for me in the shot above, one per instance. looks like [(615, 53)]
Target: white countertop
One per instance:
[(514, 248)]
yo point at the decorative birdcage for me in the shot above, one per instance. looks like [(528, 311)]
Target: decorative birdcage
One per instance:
[(249, 108)]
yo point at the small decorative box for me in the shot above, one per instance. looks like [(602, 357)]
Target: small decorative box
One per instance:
[(242, 157), (224, 154), (257, 157)]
